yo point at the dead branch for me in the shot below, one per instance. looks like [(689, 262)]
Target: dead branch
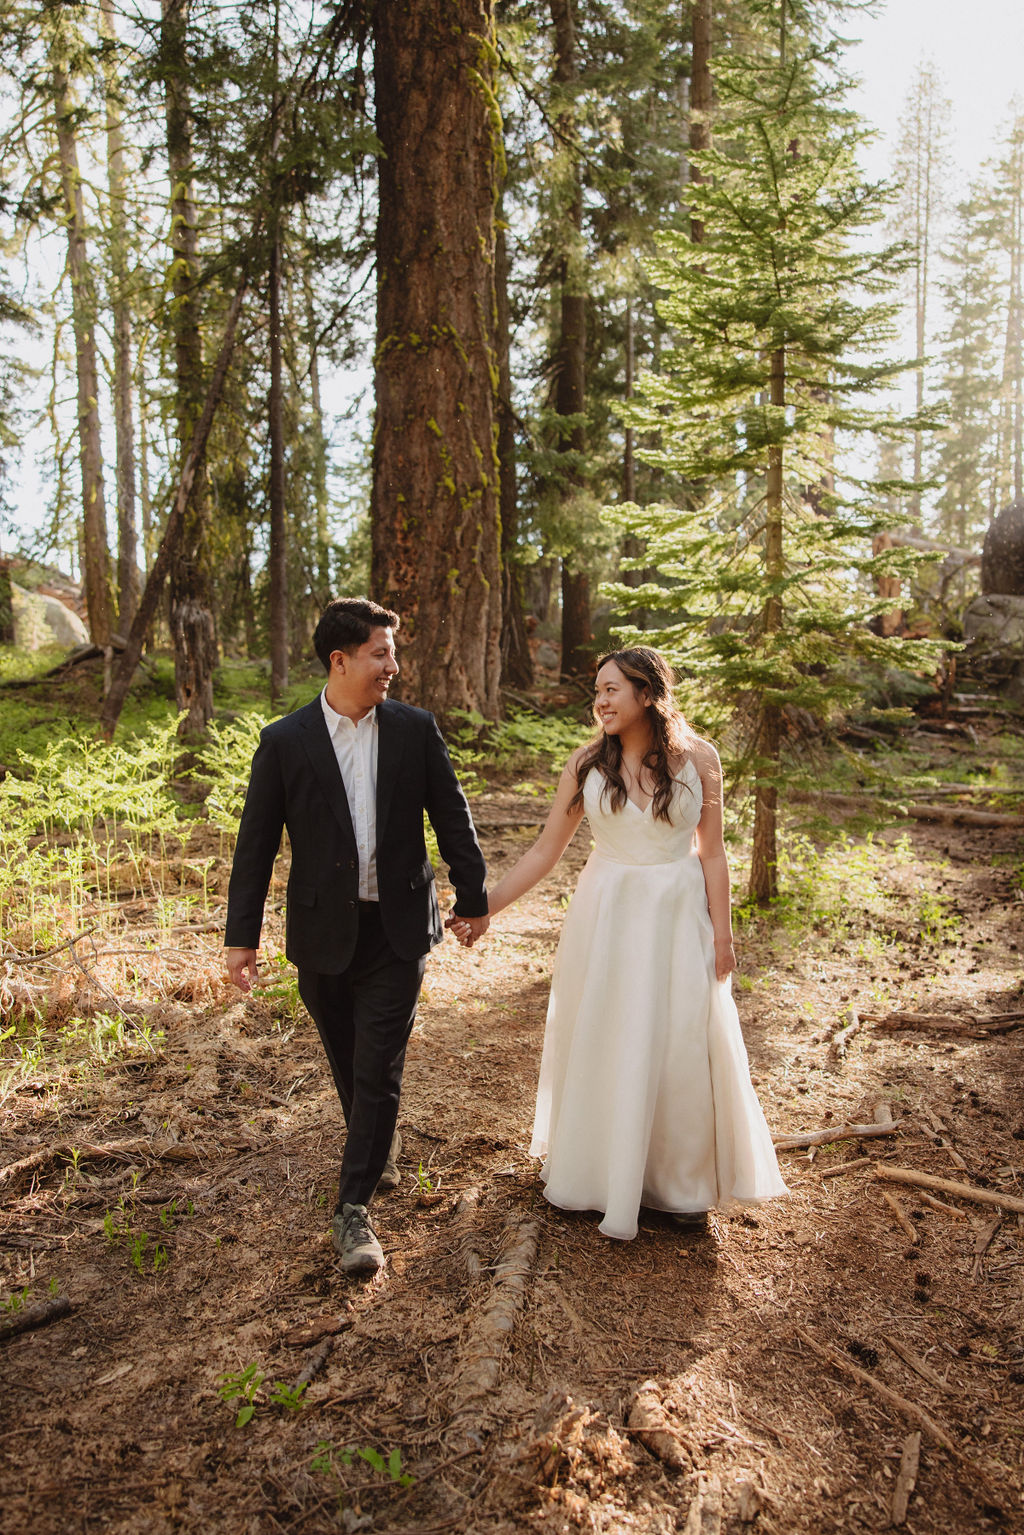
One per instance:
[(938, 1204), (949, 1023), (948, 1186), (31, 1317), (900, 1214), (983, 1242), (907, 1479), (842, 1132), (35, 959), (846, 1167), (915, 1362), (87, 1151), (842, 1039), (314, 1363), (900, 1403)]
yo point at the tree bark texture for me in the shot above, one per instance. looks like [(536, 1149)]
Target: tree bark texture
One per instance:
[(768, 745), (435, 496), (167, 553), (120, 303), (278, 515), (700, 96), (94, 544), (191, 612), (516, 660), (570, 360)]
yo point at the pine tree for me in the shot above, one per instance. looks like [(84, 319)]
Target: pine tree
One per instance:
[(781, 310)]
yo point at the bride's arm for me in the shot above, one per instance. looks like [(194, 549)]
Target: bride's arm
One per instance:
[(713, 860), (541, 858)]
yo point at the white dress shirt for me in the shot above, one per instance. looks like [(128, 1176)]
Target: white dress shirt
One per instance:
[(355, 746)]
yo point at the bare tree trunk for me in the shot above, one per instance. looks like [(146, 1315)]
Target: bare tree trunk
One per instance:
[(124, 427), (278, 516), (764, 856), (95, 548), (435, 467), (570, 360), (323, 553), (516, 660), (700, 96), (193, 633), (176, 521)]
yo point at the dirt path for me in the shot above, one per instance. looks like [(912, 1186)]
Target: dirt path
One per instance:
[(501, 1356)]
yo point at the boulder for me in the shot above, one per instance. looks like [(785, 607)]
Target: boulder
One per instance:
[(995, 622), (41, 620), (1002, 555)]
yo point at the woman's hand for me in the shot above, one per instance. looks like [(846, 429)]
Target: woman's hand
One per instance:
[(725, 958)]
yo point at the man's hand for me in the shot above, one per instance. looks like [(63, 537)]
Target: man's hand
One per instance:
[(242, 970), (468, 929)]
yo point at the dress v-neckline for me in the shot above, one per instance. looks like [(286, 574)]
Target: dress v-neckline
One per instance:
[(643, 809)]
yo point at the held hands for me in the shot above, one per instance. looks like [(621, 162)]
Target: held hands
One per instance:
[(242, 970), (468, 929), (725, 958)]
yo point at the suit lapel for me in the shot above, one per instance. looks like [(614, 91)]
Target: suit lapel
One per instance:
[(390, 744), (320, 750)]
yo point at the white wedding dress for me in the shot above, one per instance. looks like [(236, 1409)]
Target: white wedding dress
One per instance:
[(645, 1095)]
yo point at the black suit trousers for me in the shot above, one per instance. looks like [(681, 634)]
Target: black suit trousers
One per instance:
[(364, 1017)]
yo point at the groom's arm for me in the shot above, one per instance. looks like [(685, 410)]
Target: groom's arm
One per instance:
[(448, 810), (259, 837)]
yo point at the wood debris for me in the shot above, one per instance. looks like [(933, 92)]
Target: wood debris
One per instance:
[(29, 1318), (649, 1422), (901, 1215), (948, 1186), (846, 1167), (907, 1408), (705, 1515), (841, 1132), (916, 1363), (906, 1481)]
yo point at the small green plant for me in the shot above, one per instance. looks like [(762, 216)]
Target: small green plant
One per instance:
[(241, 1387), (289, 1397), (390, 1468), (329, 1457), (15, 1301), (426, 1186)]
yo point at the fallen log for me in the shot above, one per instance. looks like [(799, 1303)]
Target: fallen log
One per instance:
[(949, 1186), (955, 816), (842, 1132), (477, 1371), (29, 1318)]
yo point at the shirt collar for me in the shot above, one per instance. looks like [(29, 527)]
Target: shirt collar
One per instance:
[(334, 720)]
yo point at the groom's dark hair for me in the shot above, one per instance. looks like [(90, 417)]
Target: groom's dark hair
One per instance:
[(346, 623)]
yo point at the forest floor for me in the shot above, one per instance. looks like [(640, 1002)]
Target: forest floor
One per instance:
[(510, 1368)]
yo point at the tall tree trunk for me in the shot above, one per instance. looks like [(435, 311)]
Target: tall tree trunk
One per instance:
[(124, 427), (435, 469), (278, 515), (570, 360), (94, 545), (516, 660), (700, 96), (192, 463), (323, 551), (193, 633), (764, 857)]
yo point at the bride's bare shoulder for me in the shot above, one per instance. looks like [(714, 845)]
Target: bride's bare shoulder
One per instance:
[(703, 756)]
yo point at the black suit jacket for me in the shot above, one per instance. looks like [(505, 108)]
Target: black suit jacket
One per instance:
[(295, 783)]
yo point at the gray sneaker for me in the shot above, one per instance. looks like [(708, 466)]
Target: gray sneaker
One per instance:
[(355, 1239), (390, 1178)]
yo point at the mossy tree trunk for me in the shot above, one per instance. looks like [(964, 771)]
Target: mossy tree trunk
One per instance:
[(764, 883), (435, 506)]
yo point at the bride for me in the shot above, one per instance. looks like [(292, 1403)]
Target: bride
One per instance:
[(645, 1095)]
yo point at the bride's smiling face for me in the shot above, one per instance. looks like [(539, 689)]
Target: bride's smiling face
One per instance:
[(619, 706)]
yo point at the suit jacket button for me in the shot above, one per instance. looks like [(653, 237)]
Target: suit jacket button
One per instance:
[(351, 905)]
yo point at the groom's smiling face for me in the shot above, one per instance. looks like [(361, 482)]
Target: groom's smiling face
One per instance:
[(362, 676)]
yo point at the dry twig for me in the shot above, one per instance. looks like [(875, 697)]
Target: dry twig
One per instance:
[(948, 1186), (842, 1132)]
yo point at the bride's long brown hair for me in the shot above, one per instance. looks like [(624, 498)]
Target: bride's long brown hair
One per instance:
[(647, 671)]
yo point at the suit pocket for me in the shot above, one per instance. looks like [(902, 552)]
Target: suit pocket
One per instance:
[(302, 895), (421, 876)]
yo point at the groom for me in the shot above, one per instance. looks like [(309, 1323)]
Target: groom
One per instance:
[(350, 776)]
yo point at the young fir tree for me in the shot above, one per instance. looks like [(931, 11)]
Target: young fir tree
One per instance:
[(766, 586), (964, 460)]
